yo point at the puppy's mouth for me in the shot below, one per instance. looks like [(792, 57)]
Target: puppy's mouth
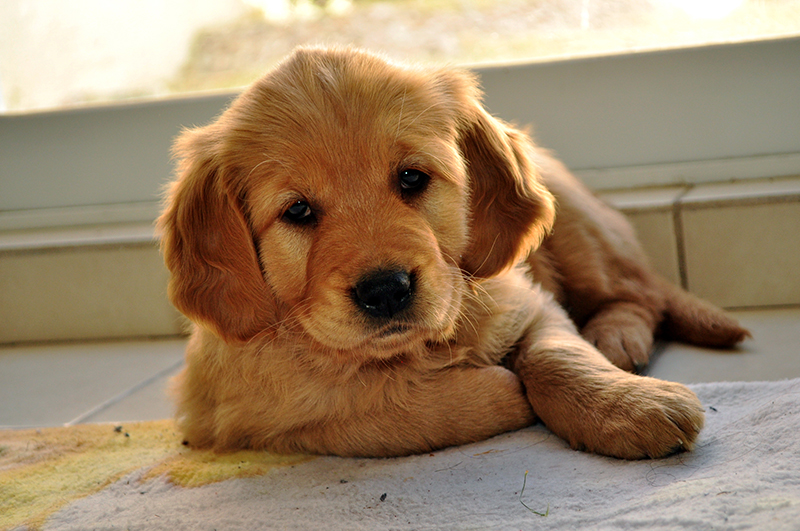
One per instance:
[(393, 329), (397, 336)]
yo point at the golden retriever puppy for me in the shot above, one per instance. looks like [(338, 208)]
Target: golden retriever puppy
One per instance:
[(353, 240)]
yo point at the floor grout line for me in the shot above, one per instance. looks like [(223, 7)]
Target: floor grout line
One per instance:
[(83, 417)]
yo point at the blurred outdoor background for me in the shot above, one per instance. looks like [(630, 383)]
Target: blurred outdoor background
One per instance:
[(56, 53)]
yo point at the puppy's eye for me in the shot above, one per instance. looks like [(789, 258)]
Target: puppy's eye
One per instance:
[(299, 213), (412, 182)]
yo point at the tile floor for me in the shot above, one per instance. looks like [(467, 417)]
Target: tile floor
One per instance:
[(56, 384)]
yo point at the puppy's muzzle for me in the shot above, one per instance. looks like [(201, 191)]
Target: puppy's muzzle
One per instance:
[(384, 294)]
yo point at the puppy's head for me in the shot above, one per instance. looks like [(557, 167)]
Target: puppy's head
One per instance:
[(350, 198)]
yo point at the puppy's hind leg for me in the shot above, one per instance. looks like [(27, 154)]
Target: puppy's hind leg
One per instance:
[(604, 278), (623, 331), (695, 321)]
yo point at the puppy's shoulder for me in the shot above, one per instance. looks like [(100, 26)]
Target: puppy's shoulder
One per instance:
[(498, 311)]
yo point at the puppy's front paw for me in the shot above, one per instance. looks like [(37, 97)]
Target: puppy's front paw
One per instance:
[(626, 416), (637, 417)]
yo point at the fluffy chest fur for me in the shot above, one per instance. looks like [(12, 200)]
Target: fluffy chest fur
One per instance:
[(290, 384)]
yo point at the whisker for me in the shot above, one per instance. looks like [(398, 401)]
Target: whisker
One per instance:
[(400, 119), (388, 370), (265, 161), (486, 258), (420, 115), (279, 329)]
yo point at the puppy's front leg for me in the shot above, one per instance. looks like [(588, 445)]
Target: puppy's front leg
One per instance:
[(449, 407), (596, 406)]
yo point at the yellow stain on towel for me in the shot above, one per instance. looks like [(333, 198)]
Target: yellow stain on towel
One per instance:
[(43, 470), (196, 468)]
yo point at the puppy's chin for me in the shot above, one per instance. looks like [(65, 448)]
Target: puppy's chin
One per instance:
[(394, 339), (383, 342)]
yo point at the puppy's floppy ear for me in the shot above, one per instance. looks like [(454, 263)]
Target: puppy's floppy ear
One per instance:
[(511, 210), (209, 248)]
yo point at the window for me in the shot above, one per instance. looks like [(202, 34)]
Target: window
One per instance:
[(55, 54)]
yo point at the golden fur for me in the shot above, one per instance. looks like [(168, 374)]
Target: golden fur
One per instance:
[(341, 307)]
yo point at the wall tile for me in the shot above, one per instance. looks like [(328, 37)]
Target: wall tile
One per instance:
[(84, 293), (744, 254)]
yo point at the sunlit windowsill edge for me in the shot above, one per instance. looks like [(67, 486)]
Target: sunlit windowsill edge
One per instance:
[(692, 172), (144, 212)]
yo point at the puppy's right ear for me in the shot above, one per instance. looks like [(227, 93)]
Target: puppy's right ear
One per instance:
[(208, 245), (511, 209)]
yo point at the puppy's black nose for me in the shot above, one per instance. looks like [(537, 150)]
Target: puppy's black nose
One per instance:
[(384, 293)]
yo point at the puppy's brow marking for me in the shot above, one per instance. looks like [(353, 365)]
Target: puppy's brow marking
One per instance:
[(428, 154)]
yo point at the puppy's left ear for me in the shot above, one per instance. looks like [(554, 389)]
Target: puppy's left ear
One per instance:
[(208, 246), (511, 210)]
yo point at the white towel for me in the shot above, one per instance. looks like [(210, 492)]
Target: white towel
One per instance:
[(744, 474)]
